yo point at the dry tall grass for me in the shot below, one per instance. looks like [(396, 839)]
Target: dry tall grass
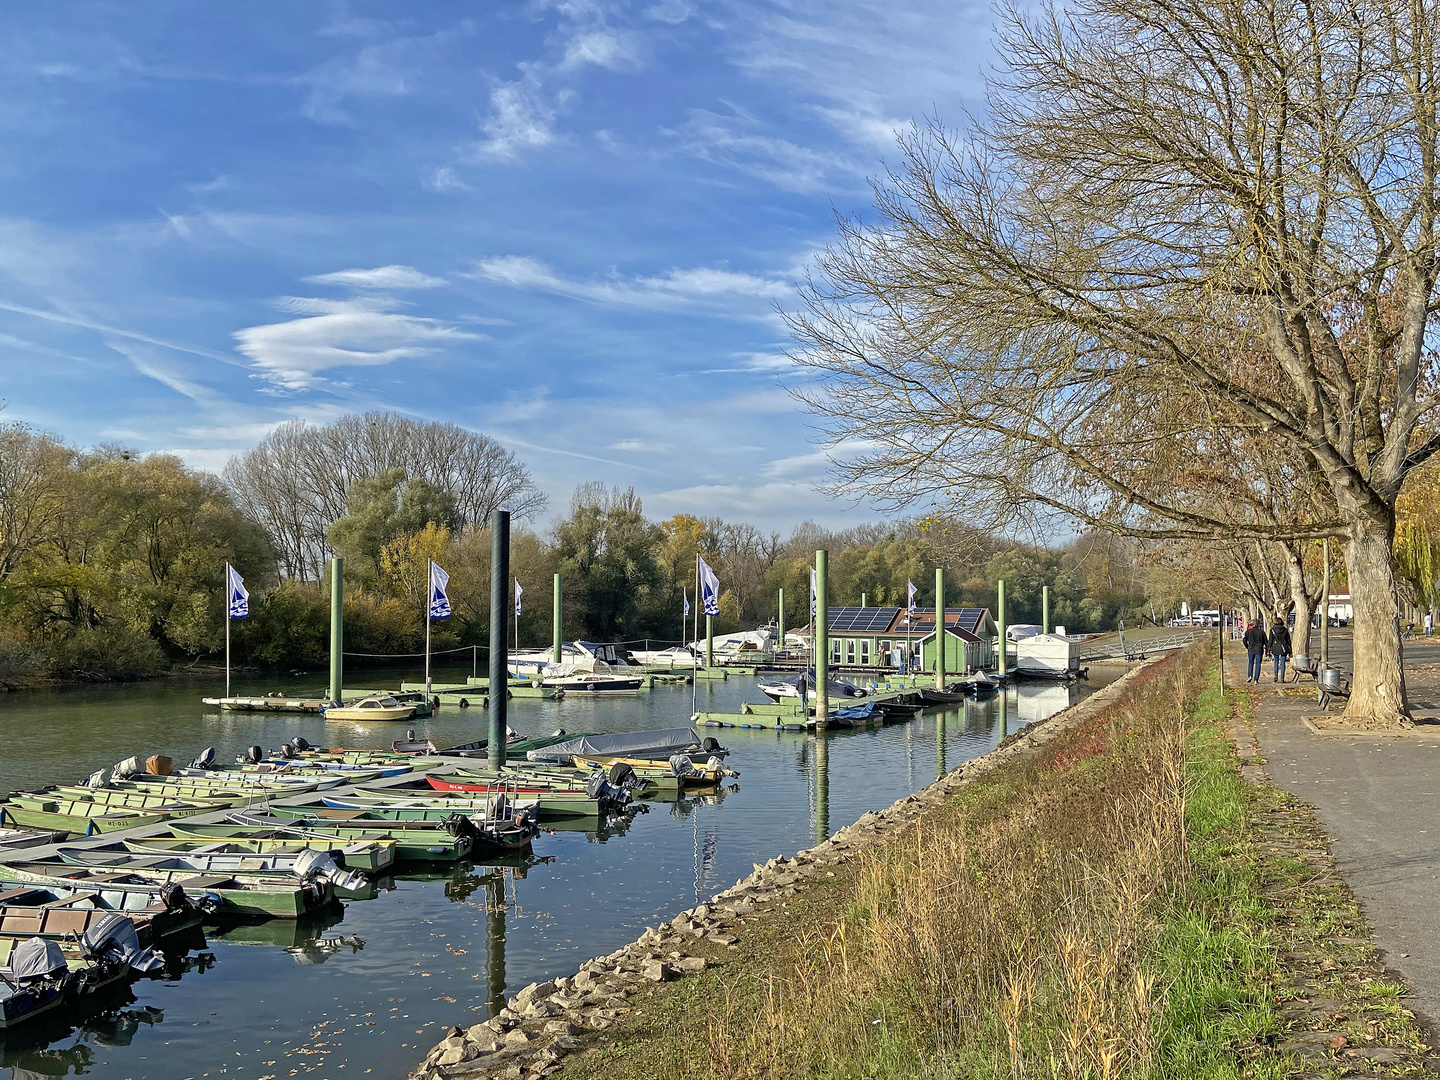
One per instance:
[(1006, 935)]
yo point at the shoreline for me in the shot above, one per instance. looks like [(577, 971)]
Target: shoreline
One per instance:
[(547, 1021)]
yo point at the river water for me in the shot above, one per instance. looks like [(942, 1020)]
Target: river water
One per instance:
[(367, 990)]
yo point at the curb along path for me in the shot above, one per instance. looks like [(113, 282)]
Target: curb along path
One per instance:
[(548, 1020)]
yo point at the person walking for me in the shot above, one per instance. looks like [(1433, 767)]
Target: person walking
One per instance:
[(1280, 647), (1254, 642)]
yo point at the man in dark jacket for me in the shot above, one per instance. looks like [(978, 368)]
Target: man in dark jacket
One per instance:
[(1254, 642), (1280, 647)]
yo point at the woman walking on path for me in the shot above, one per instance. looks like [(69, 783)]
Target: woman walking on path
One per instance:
[(1254, 642), (1279, 648)]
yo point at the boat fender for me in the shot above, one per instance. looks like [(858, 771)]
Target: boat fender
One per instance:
[(464, 702), (681, 765), (255, 754), (621, 774), (710, 745)]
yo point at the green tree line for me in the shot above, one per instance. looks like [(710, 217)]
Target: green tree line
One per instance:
[(111, 566)]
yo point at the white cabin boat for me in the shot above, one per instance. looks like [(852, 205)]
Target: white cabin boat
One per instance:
[(1048, 656)]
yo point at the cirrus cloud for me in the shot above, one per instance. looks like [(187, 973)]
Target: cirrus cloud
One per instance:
[(381, 277)]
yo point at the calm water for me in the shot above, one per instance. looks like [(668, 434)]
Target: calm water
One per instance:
[(368, 990)]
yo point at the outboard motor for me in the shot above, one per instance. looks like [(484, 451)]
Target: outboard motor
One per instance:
[(113, 937), (315, 865), (98, 779), (254, 755), (288, 751), (681, 766), (176, 899), (301, 743), (711, 745), (719, 766), (38, 961), (609, 796), (124, 770), (205, 760), (464, 831), (621, 774)]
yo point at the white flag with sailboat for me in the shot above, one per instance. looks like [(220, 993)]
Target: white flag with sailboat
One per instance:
[(439, 602), (910, 609), (709, 589), (518, 591), (812, 595), (685, 595), (237, 596)]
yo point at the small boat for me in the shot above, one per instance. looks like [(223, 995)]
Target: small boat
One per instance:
[(370, 855), (930, 696), (376, 707), (11, 839), (596, 683), (789, 688), (857, 716), (679, 767), (308, 865), (38, 978), (421, 843), (544, 804), (662, 743), (74, 817), (281, 898), (273, 702)]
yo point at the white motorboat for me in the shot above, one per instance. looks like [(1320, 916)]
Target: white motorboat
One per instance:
[(586, 667), (675, 657)]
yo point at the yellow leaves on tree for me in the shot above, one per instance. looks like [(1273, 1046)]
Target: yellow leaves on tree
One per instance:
[(405, 561)]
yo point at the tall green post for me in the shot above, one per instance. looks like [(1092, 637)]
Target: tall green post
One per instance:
[(939, 628), (557, 619), (1045, 609), (499, 688), (1000, 626), (337, 628), (822, 638), (780, 622), (709, 641)]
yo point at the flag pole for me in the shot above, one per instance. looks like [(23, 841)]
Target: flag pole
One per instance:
[(429, 589), (227, 629)]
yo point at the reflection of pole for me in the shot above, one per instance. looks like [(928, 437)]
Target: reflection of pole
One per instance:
[(495, 942), (1004, 719), (940, 744), (822, 787), (499, 608)]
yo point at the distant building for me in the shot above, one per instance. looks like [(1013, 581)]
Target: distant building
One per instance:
[(879, 636), (1339, 607)]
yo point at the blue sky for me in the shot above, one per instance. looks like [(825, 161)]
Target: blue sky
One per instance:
[(565, 224)]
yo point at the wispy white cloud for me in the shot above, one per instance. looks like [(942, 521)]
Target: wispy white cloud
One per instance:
[(114, 331), (742, 142), (676, 288), (602, 48), (637, 446), (315, 305), (291, 354), (381, 277), (444, 180), (520, 119)]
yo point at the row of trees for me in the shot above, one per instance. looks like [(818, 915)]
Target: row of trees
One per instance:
[(110, 566)]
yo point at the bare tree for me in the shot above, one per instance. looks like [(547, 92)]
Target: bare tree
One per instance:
[(296, 481), (31, 476), (1183, 218)]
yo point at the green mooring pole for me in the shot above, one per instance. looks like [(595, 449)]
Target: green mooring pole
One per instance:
[(557, 618), (709, 641), (822, 638), (939, 628), (337, 628), (780, 622), (499, 688), (1000, 624), (1045, 610)]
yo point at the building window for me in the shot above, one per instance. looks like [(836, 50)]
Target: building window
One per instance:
[(834, 650), (850, 650), (865, 651)]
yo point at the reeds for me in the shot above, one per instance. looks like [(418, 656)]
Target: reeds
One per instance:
[(1008, 934)]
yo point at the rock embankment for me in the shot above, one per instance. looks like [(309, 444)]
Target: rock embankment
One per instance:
[(545, 1021)]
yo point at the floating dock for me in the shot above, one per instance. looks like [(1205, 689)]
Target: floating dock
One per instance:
[(267, 703)]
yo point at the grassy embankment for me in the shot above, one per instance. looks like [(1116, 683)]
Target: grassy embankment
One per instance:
[(1118, 903)]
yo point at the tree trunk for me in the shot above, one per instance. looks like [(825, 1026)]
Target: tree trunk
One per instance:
[(1300, 597), (1377, 695)]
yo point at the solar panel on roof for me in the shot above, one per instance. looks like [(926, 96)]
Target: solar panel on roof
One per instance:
[(858, 620)]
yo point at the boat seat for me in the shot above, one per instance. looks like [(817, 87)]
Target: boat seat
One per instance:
[(9, 896), (73, 901), (67, 922), (205, 881)]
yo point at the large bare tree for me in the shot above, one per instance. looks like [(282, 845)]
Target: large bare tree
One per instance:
[(1181, 220), (296, 481)]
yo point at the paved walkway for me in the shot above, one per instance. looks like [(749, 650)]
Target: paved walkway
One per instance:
[(1379, 797)]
